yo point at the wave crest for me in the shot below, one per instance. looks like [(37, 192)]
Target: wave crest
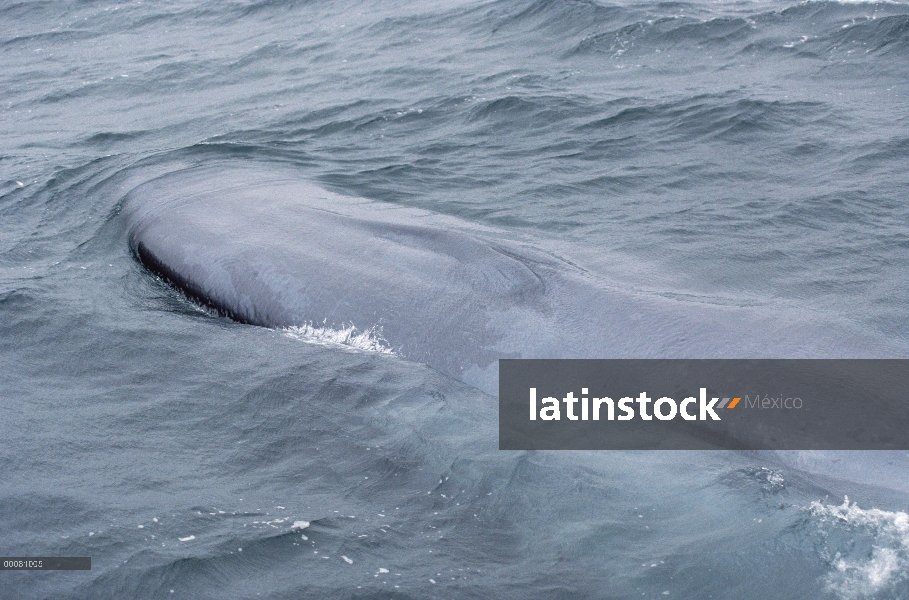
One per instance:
[(868, 549), (369, 340)]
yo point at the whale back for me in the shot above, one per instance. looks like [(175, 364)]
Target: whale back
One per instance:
[(275, 251), (266, 248)]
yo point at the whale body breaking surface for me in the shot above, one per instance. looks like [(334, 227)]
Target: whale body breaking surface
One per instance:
[(268, 248)]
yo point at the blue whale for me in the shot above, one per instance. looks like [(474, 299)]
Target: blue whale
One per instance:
[(266, 247)]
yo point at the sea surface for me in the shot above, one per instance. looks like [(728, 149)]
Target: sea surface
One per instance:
[(731, 153)]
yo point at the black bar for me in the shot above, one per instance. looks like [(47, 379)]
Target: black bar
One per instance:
[(860, 404), (45, 563)]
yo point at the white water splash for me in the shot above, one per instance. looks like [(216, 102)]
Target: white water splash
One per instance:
[(876, 555), (370, 340)]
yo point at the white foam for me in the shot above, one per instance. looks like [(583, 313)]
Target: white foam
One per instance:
[(370, 340), (187, 539), (299, 525), (868, 573)]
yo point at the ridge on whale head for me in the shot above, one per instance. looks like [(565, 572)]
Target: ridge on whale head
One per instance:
[(267, 248)]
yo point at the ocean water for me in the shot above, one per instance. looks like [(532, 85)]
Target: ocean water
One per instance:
[(730, 154)]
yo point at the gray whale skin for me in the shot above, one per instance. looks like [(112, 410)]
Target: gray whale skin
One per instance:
[(267, 248)]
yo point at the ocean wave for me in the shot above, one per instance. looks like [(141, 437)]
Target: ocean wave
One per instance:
[(886, 35), (706, 116), (559, 16), (47, 37), (806, 29), (665, 33), (868, 549)]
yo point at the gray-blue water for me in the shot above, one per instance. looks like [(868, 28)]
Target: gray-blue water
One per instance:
[(729, 154)]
